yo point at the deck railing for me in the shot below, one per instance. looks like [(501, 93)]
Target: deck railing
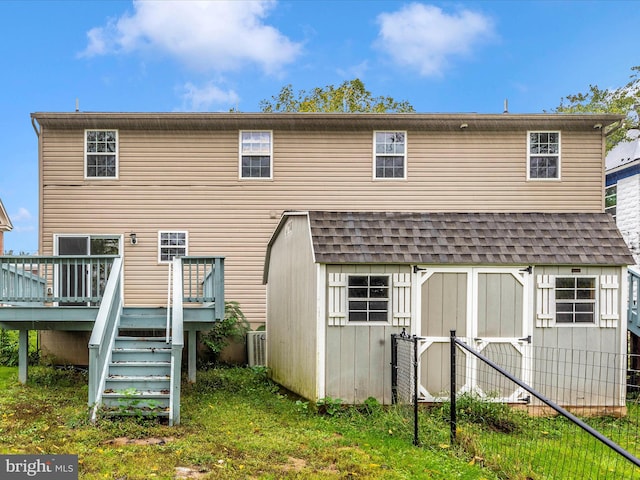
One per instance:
[(63, 279), (203, 280), (633, 322)]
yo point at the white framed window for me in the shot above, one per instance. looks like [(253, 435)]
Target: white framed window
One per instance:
[(101, 154), (611, 199), (575, 300), (256, 154), (390, 155), (368, 298), (543, 155), (172, 244)]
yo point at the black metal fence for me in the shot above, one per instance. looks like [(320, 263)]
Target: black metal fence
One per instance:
[(404, 375), (528, 413)]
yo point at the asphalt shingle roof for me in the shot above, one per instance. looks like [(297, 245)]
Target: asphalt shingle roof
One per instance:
[(467, 238)]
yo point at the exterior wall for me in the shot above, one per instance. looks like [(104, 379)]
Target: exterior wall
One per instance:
[(292, 351), (569, 354), (188, 180), (358, 357), (628, 212)]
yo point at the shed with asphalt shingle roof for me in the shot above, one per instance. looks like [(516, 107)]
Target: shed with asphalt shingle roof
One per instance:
[(339, 283)]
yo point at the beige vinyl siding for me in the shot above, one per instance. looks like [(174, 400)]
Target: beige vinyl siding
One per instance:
[(188, 180)]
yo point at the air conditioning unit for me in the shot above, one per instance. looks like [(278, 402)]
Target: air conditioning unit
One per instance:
[(257, 348)]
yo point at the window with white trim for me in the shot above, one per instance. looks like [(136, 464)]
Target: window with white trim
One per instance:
[(543, 155), (390, 158), (101, 153), (256, 153), (611, 199), (575, 299), (368, 298), (171, 244)]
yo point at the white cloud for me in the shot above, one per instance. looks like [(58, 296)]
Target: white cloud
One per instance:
[(205, 35), (23, 215), (424, 38), (204, 98)]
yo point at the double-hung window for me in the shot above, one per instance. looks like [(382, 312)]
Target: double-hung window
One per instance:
[(368, 298), (101, 153), (256, 153), (390, 155), (543, 155), (575, 299), (171, 244)]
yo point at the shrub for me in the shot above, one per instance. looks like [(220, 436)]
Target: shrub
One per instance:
[(234, 326)]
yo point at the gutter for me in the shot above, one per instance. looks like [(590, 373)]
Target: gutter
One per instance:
[(35, 128)]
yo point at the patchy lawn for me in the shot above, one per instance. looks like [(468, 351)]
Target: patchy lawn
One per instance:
[(235, 424)]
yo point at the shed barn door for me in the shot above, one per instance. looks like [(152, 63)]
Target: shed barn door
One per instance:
[(487, 308), (500, 332), (443, 307)]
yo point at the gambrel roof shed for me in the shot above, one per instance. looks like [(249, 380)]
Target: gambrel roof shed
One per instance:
[(451, 238)]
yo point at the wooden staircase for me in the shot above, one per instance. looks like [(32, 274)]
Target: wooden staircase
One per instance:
[(139, 374)]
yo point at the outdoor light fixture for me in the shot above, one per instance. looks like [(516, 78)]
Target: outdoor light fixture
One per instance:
[(134, 239), (598, 126), (464, 125)]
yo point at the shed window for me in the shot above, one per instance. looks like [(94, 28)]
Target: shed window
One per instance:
[(101, 153), (543, 155), (170, 245), (255, 154), (390, 155), (368, 298), (575, 299)]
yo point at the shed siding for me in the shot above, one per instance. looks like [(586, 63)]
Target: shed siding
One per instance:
[(573, 353), (291, 291), (358, 357), (188, 180)]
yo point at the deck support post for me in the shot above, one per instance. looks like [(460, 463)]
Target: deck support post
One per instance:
[(192, 342), (23, 355)]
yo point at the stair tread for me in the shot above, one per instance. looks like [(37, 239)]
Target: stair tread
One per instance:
[(164, 393)]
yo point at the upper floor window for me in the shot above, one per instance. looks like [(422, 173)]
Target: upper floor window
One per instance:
[(611, 199), (368, 297), (170, 245), (575, 299), (543, 155), (256, 152), (101, 153), (390, 158)]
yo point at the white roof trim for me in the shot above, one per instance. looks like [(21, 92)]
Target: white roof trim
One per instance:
[(5, 221)]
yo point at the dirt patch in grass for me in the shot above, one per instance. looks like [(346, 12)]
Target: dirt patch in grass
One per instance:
[(121, 441)]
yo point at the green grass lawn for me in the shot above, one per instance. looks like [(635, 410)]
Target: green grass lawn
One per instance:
[(235, 424)]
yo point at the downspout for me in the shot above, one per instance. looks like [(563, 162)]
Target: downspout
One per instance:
[(35, 128), (34, 124)]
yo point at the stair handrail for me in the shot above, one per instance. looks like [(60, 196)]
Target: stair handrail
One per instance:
[(169, 285), (103, 334), (177, 341)]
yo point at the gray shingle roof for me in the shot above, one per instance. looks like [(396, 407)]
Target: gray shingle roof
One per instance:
[(467, 238)]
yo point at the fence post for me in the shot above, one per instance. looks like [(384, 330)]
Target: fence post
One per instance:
[(394, 369), (416, 440), (452, 413)]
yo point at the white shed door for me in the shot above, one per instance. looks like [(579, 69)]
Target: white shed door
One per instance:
[(487, 308)]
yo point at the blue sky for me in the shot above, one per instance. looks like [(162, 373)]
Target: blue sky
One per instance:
[(465, 56)]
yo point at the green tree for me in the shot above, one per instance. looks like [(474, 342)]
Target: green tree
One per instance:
[(350, 96), (624, 100)]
